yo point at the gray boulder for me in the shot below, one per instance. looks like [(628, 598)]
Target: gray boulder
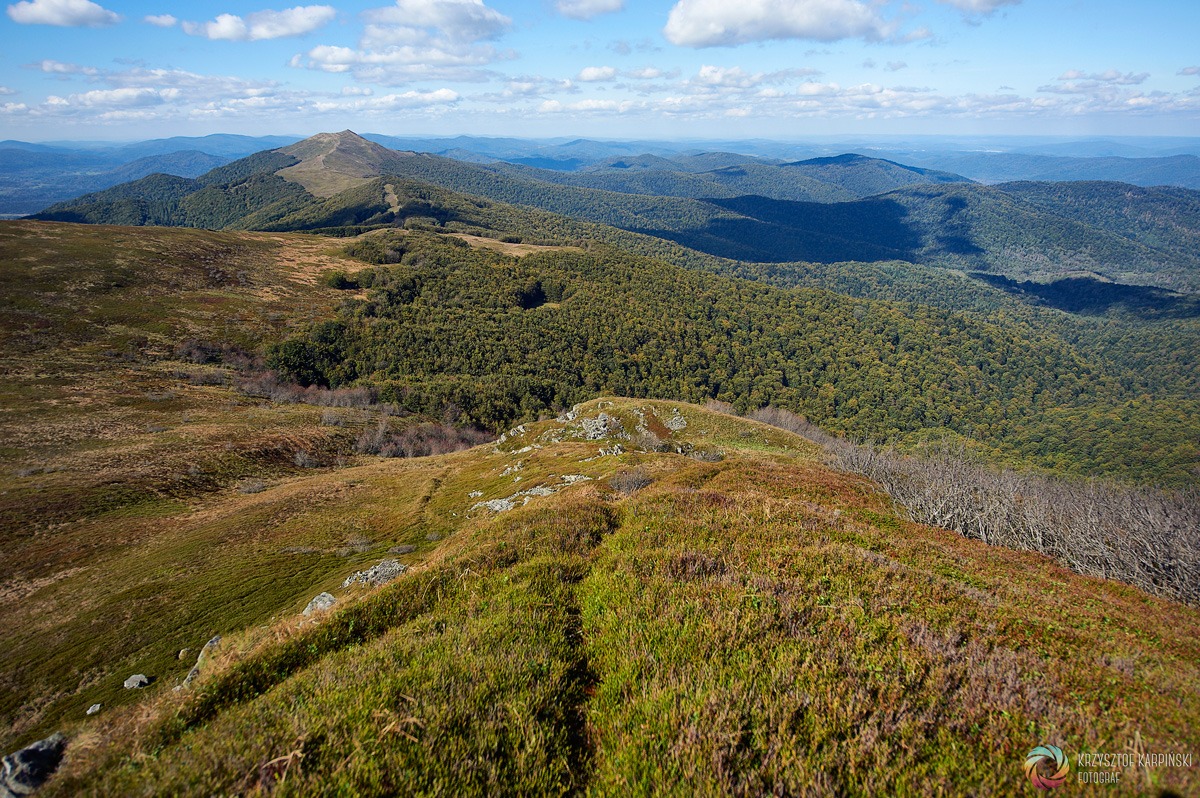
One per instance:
[(320, 603), (136, 682), (204, 652), (377, 575), (93, 709), (26, 770), (601, 427)]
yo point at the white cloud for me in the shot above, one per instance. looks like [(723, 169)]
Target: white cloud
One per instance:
[(5, 91), (123, 98), (584, 106), (357, 91), (645, 73), (1095, 83), (412, 99), (263, 24), (895, 66), (738, 78), (594, 74), (409, 100), (59, 68), (160, 20), (458, 20), (979, 8), (64, 13), (586, 9), (1111, 76), (13, 108), (712, 23), (1192, 70), (396, 65), (417, 40)]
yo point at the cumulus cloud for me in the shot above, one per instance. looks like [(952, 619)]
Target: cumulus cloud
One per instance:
[(895, 66), (64, 13), (586, 9), (459, 20), (123, 98), (160, 20), (396, 65), (1192, 70), (713, 23), (263, 24), (595, 74), (5, 91), (417, 40)]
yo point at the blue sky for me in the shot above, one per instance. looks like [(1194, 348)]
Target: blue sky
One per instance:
[(78, 69)]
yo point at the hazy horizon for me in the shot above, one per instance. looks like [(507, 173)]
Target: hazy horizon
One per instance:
[(688, 70)]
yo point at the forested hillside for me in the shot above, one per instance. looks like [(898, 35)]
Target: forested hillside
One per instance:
[(503, 340)]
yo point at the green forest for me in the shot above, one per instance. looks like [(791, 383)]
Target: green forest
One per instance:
[(502, 340)]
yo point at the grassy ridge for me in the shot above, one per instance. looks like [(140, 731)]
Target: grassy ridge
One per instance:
[(759, 624)]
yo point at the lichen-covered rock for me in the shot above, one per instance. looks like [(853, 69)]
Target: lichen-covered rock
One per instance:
[(320, 603), (136, 682), (601, 427), (675, 422), (495, 505), (26, 770), (377, 575), (204, 654)]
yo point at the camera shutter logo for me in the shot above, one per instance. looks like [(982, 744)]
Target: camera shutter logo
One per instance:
[(1052, 755)]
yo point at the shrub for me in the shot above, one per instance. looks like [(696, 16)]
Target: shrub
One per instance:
[(421, 440), (1146, 537), (629, 481), (340, 280)]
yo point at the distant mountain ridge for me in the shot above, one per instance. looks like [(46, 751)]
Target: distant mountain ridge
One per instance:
[(936, 218)]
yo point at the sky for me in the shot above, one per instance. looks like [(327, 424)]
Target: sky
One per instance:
[(669, 69)]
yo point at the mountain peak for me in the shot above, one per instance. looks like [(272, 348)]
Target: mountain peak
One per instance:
[(333, 162)]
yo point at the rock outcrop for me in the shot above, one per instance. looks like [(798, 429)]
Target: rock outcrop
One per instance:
[(320, 603), (377, 575), (26, 770)]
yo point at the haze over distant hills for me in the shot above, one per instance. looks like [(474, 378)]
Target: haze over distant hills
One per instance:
[(69, 169)]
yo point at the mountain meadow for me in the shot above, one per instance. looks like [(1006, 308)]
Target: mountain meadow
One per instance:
[(668, 474)]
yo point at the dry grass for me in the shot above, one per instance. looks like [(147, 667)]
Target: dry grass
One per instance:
[(761, 625), (756, 625)]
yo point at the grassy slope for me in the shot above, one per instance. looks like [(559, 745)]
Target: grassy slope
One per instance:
[(109, 440), (756, 625)]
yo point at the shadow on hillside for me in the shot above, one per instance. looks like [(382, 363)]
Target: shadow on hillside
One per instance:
[(780, 231), (1089, 296)]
